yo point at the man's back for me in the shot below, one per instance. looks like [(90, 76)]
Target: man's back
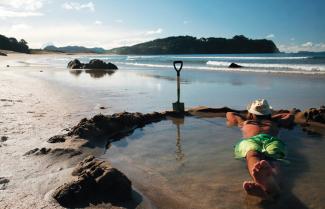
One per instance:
[(254, 127)]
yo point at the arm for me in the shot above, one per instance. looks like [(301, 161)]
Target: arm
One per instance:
[(284, 119), (234, 118)]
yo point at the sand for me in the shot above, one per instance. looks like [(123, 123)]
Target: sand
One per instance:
[(34, 108)]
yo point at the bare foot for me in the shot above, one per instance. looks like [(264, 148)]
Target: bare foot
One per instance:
[(255, 189), (264, 176)]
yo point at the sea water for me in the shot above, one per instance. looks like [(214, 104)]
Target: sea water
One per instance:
[(286, 80)]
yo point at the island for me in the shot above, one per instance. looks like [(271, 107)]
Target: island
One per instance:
[(192, 45)]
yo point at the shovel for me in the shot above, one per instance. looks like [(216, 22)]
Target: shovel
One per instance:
[(178, 106)]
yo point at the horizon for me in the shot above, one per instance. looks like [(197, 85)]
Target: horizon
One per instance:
[(293, 26)]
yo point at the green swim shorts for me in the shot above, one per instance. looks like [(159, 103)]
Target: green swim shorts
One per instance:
[(264, 143)]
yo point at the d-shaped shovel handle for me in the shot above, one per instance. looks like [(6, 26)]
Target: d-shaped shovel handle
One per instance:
[(178, 70)]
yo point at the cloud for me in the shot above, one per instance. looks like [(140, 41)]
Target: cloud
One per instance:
[(98, 22), (308, 46), (20, 8), (77, 6), (270, 36), (71, 33), (154, 32), (27, 5), (185, 22)]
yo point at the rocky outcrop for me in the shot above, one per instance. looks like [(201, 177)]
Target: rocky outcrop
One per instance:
[(113, 126), (3, 54), (93, 64), (315, 115), (234, 65), (96, 181)]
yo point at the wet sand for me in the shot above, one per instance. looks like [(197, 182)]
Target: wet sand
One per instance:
[(38, 101)]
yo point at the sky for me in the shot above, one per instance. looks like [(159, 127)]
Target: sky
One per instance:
[(294, 25)]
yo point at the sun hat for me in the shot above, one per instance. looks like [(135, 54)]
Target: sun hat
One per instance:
[(259, 107)]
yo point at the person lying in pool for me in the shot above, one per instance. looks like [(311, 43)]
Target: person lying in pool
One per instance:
[(260, 146)]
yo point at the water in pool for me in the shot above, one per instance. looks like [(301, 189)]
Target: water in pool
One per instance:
[(189, 164)]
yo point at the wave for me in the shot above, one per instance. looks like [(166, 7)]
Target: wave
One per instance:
[(240, 58), (287, 67), (252, 67)]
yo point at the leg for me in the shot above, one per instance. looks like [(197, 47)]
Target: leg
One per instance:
[(262, 172)]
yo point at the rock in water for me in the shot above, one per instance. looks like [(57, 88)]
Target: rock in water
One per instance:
[(75, 64), (93, 64), (234, 65), (99, 64), (97, 181)]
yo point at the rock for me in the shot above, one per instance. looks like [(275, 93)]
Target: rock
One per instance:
[(113, 126), (316, 115), (234, 65), (3, 54), (93, 64), (3, 183), (97, 181), (56, 139), (75, 64), (4, 138), (99, 64), (75, 192)]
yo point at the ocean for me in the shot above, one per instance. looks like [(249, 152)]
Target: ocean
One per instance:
[(286, 80)]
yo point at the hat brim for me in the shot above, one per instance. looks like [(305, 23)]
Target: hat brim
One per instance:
[(267, 112)]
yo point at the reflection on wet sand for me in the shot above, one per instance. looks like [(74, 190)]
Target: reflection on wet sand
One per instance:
[(94, 73), (179, 153)]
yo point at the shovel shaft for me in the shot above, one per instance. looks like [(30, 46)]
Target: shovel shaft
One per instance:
[(178, 89)]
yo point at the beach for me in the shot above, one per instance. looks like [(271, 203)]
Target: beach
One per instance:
[(40, 98)]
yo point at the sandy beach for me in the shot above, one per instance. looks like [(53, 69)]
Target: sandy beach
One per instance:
[(40, 98)]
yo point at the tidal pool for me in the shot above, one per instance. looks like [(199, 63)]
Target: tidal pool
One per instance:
[(189, 164)]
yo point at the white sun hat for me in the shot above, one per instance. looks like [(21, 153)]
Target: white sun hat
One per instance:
[(259, 107)]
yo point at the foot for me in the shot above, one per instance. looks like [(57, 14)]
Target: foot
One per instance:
[(263, 175), (255, 189)]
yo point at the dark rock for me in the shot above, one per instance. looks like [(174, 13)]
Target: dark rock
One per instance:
[(4, 138), (97, 181), (3, 54), (75, 192), (56, 139), (3, 183), (234, 65), (99, 64), (316, 115), (31, 151), (93, 64), (113, 126), (75, 64)]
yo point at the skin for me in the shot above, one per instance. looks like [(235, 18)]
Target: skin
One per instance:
[(265, 174)]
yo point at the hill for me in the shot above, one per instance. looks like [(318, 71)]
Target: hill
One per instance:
[(74, 49), (12, 44), (193, 45)]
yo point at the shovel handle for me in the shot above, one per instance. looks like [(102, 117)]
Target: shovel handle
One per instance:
[(178, 70)]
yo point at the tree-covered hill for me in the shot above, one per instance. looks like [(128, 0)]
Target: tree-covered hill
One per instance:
[(74, 49), (192, 45), (13, 45)]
